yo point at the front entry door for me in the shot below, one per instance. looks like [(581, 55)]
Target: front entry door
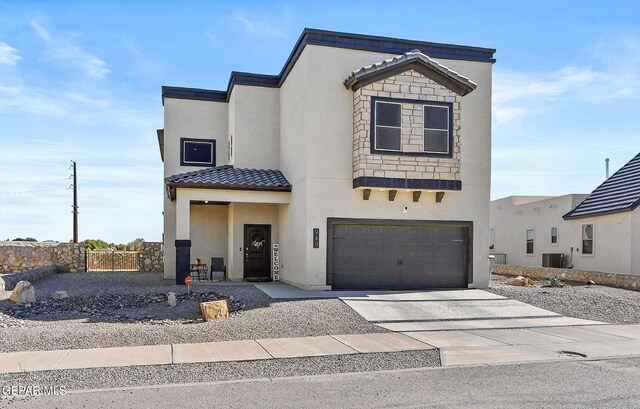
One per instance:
[(257, 252)]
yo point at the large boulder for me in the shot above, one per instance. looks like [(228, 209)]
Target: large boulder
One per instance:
[(214, 310), (23, 293), (521, 281)]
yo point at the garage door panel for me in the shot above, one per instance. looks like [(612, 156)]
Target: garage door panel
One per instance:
[(417, 256)]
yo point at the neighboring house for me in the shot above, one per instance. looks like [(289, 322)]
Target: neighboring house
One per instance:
[(366, 162), (596, 232)]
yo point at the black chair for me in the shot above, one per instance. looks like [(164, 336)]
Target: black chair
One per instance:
[(198, 271), (217, 266)]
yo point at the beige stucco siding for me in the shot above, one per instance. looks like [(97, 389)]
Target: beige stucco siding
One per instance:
[(512, 216), (614, 238), (319, 122), (635, 242), (255, 125), (612, 243), (185, 118), (208, 232)]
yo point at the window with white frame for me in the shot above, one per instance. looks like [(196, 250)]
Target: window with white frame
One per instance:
[(530, 239), (388, 126), (436, 129), (587, 238), (554, 235)]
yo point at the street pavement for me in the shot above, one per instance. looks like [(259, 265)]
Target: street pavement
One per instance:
[(607, 384)]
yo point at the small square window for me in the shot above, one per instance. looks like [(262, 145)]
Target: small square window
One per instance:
[(197, 152), (530, 239), (554, 235)]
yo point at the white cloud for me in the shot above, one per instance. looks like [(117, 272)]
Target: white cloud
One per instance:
[(63, 47), (269, 26), (8, 54), (517, 94)]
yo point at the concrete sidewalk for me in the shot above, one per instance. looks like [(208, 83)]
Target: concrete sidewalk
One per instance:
[(472, 347)]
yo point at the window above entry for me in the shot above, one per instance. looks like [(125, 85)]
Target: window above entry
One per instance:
[(197, 152), (411, 127)]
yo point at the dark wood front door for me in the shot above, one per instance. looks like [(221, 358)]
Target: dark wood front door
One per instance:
[(257, 252)]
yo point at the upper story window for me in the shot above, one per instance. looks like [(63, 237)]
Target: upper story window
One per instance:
[(390, 117), (388, 126), (554, 235), (197, 152), (530, 238), (436, 129), (587, 238)]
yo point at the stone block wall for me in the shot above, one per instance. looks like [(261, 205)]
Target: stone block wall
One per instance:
[(152, 257), (407, 85), (629, 282), (19, 256)]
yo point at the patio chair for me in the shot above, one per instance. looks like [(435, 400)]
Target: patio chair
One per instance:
[(198, 271), (217, 266)]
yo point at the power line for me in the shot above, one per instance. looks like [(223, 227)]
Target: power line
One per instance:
[(32, 191)]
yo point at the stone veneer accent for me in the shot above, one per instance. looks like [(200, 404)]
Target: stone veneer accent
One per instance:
[(19, 256), (407, 85), (152, 255), (629, 282)]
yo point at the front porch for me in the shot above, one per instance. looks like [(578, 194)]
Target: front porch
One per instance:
[(238, 222)]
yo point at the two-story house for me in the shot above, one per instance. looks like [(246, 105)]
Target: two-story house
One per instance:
[(364, 164)]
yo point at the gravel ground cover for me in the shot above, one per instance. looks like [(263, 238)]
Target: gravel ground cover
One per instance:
[(577, 300), (92, 316), (220, 371)]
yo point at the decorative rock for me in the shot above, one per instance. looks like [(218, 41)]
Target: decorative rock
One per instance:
[(521, 281), (171, 299), (213, 310), (59, 295), (23, 293)]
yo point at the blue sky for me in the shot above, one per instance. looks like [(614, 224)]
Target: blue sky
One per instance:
[(81, 81)]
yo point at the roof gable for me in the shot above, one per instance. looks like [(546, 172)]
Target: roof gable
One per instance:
[(412, 60), (619, 193)]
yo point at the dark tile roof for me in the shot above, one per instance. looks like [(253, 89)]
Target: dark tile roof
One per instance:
[(228, 177), (619, 193), (364, 75)]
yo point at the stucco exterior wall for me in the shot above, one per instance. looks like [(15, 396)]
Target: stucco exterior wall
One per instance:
[(635, 242), (185, 118), (613, 234), (256, 127), (611, 247), (208, 232), (413, 86), (513, 215), (323, 125)]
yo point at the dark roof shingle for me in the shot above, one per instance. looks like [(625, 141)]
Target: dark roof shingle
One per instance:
[(228, 177), (619, 193)]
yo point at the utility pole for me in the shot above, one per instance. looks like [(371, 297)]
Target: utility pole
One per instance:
[(75, 203)]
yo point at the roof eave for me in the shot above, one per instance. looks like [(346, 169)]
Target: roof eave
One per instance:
[(172, 186)]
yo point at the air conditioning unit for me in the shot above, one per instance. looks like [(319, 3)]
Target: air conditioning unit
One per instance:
[(555, 260)]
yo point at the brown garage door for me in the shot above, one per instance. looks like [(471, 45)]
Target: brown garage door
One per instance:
[(398, 257)]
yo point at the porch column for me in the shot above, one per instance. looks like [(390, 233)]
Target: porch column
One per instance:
[(183, 242)]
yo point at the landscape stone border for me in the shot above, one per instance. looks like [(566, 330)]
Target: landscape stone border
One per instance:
[(9, 281), (629, 282)]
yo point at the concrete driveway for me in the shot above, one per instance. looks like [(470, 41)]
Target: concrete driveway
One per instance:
[(453, 310), (404, 311)]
